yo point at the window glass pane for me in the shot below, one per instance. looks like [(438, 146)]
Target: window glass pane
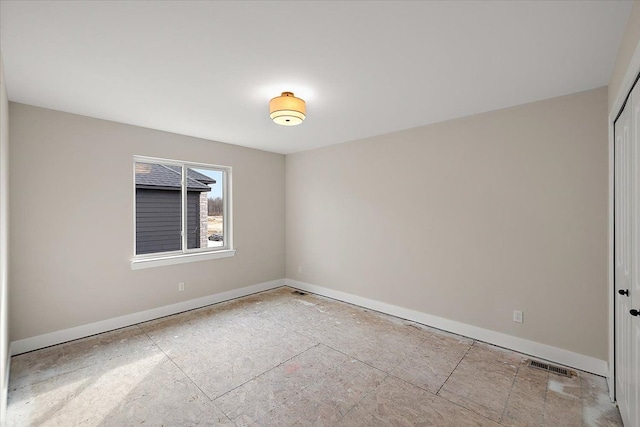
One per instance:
[(205, 222), (158, 208)]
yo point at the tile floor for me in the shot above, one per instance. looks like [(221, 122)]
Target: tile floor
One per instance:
[(279, 358)]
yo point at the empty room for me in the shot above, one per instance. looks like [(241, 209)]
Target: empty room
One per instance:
[(320, 213)]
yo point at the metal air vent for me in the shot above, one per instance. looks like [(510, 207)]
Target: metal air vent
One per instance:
[(558, 370)]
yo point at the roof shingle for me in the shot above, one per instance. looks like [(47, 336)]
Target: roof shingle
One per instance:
[(168, 177)]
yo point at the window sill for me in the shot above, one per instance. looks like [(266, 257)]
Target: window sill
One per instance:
[(137, 264)]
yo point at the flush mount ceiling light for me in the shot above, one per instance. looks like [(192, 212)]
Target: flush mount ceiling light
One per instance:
[(287, 110)]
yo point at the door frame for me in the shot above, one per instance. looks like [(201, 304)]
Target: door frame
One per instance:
[(630, 77)]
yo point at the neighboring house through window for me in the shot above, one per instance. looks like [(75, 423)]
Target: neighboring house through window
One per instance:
[(174, 215)]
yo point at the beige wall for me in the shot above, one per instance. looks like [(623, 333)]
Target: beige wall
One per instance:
[(72, 221), (627, 48), (4, 240), (467, 220)]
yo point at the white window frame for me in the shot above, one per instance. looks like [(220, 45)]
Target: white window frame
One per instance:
[(187, 255)]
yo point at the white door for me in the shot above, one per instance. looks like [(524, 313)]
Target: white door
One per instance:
[(627, 280), (622, 270), (634, 297)]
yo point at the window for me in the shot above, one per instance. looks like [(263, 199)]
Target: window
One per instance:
[(182, 212)]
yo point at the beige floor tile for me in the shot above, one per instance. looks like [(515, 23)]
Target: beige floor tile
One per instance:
[(219, 368), (40, 365), (597, 409), (305, 411), (311, 410), (320, 317), (382, 349), (36, 366), (239, 310), (146, 390), (253, 304), (303, 397), (308, 408), (346, 384), (526, 402), (220, 353), (563, 405), (366, 336), (398, 403), (429, 364), (254, 399), (483, 379), (309, 306)]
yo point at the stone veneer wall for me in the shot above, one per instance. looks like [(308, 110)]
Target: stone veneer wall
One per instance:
[(204, 210)]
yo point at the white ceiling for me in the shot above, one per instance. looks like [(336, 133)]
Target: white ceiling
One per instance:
[(208, 69)]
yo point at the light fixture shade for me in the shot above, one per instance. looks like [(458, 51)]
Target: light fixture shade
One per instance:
[(287, 110)]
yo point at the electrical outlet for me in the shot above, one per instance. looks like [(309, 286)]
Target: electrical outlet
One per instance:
[(299, 269), (180, 286), (517, 316)]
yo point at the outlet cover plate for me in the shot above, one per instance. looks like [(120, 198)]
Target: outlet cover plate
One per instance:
[(517, 316)]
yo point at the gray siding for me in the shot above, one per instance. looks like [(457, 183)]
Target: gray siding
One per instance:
[(193, 219), (158, 220)]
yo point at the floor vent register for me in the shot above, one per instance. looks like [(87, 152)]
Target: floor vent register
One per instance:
[(558, 370)]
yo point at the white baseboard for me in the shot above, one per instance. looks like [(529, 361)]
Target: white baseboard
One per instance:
[(543, 351), (58, 337)]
